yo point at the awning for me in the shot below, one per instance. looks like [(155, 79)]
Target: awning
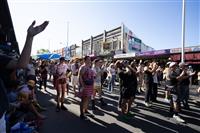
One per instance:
[(48, 56), (127, 55)]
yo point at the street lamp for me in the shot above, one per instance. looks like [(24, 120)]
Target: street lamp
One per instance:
[(67, 33)]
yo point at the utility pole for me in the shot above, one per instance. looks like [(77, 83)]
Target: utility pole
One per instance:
[(67, 33), (49, 45), (183, 31)]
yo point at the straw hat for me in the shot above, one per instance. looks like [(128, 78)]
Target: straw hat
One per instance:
[(31, 83)]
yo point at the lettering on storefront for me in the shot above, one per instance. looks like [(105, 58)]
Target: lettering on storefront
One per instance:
[(178, 50), (158, 52), (192, 56)]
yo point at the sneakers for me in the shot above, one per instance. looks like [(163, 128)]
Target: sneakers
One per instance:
[(177, 118), (166, 100), (134, 105), (147, 104)]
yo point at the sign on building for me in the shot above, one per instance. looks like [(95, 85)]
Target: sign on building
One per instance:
[(132, 43), (67, 53)]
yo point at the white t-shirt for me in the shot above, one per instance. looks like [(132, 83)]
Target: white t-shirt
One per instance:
[(97, 74), (112, 71), (166, 74), (74, 68), (61, 70)]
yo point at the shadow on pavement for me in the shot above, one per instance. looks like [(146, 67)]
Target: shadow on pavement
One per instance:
[(66, 121)]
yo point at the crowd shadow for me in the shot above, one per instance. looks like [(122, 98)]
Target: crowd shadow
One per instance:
[(151, 124), (70, 122), (66, 121)]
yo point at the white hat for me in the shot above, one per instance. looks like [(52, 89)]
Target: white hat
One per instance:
[(182, 64), (168, 62), (172, 64)]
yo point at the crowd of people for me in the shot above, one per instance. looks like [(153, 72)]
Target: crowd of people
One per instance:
[(15, 96), (89, 79)]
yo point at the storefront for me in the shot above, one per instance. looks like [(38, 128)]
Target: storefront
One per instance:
[(192, 55), (190, 58)]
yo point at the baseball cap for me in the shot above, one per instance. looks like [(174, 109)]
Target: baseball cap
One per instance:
[(168, 63), (182, 64), (172, 64)]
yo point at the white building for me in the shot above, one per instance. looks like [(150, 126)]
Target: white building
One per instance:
[(120, 40)]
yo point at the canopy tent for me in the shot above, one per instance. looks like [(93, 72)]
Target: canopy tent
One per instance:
[(54, 56), (48, 56)]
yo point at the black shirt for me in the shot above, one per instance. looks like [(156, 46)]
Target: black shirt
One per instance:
[(148, 78), (184, 81), (173, 75), (128, 80)]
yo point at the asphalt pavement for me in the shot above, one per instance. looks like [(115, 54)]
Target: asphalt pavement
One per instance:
[(154, 119)]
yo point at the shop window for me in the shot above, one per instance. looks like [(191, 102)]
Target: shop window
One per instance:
[(115, 43)]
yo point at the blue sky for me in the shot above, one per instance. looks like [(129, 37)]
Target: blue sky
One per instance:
[(156, 22)]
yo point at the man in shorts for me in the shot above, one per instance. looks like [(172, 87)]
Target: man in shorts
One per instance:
[(74, 70), (97, 83)]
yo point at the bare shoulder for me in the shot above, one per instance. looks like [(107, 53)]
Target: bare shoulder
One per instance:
[(82, 69)]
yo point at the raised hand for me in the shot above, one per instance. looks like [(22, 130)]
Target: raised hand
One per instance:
[(193, 73), (32, 31)]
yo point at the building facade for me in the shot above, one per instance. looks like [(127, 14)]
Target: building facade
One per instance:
[(75, 51), (116, 41)]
